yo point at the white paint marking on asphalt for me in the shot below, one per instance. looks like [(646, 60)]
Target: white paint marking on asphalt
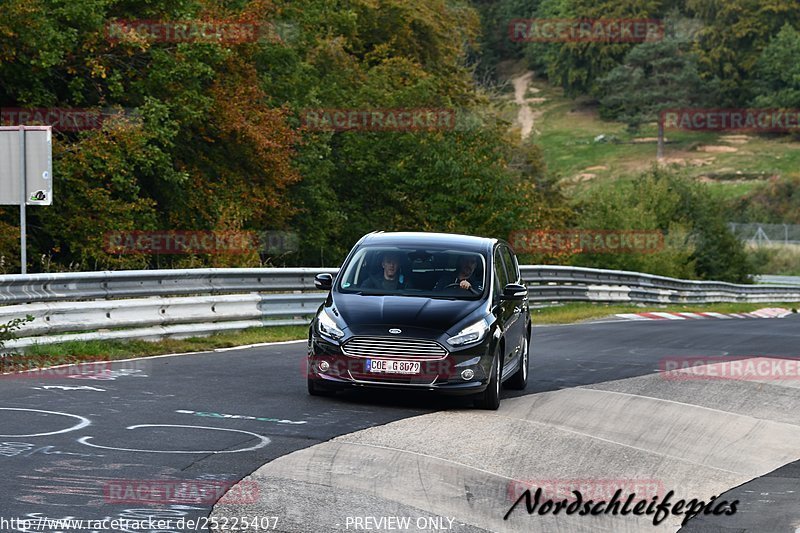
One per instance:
[(212, 414), (66, 387), (82, 424), (112, 375), (264, 440), (258, 345)]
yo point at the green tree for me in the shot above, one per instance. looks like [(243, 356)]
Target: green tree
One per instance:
[(357, 181), (653, 77), (576, 66), (777, 71), (496, 42), (734, 34), (200, 148)]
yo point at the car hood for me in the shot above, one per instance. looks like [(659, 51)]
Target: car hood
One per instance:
[(362, 313)]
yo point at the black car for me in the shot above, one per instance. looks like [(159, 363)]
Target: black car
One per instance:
[(430, 311)]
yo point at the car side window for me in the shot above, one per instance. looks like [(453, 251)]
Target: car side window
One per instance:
[(500, 276), (511, 265)]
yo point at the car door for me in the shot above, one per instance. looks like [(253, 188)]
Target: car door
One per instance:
[(519, 320), (504, 311)]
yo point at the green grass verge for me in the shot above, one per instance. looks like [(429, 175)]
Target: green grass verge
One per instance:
[(580, 311)]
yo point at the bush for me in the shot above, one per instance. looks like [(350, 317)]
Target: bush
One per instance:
[(697, 241), (776, 259), (7, 330)]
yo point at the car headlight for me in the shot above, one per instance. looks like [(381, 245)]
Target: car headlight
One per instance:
[(473, 333), (327, 326)]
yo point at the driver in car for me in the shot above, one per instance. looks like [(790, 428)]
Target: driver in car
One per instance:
[(391, 278), (465, 276)]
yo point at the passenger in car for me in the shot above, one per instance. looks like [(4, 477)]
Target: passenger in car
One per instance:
[(465, 278), (391, 278)]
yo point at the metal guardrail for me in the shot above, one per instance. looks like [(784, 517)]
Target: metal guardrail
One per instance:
[(153, 304), (63, 317), (779, 280), (137, 283), (561, 283)]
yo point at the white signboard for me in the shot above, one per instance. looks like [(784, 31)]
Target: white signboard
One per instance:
[(38, 165)]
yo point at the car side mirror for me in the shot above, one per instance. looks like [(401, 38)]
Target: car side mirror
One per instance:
[(323, 281), (514, 291)]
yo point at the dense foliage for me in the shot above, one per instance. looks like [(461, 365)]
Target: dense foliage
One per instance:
[(209, 134), (696, 243), (745, 50), (773, 202)]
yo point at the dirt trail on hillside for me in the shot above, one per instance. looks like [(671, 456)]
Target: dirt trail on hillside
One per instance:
[(526, 116)]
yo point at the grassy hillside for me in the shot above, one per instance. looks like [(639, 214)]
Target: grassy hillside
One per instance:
[(586, 151)]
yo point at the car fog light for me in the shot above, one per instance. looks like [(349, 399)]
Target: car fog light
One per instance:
[(467, 374), (324, 366)]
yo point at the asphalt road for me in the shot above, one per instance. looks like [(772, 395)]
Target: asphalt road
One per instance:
[(100, 444)]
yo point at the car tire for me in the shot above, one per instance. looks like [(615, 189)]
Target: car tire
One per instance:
[(520, 378), (315, 389), (490, 398)]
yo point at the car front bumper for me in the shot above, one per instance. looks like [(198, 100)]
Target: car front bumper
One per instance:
[(442, 375)]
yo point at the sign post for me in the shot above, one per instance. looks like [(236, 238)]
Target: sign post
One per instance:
[(26, 171), (23, 186)]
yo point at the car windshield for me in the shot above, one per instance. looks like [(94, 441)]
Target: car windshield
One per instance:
[(406, 271)]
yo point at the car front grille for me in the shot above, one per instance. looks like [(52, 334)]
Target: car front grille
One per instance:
[(414, 349)]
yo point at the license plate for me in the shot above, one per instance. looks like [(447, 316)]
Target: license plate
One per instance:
[(390, 366)]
